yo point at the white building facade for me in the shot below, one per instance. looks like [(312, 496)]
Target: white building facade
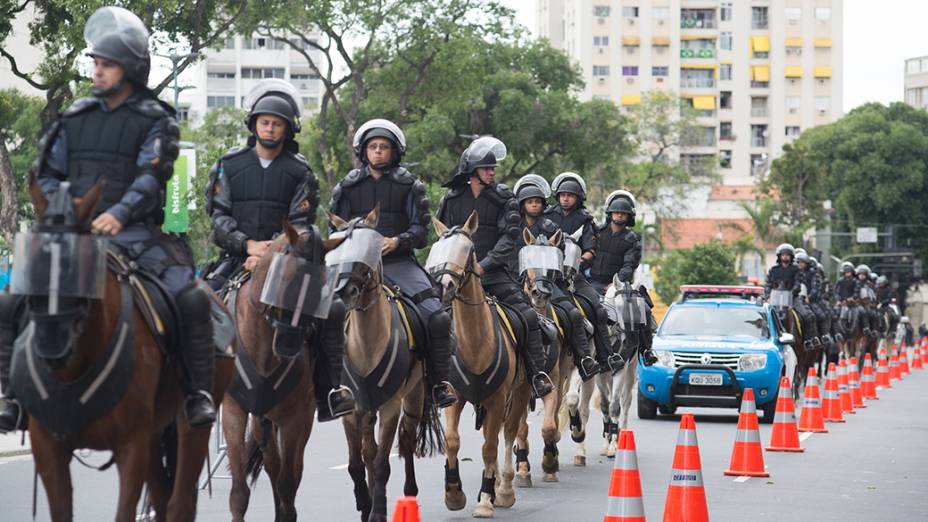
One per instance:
[(916, 82)]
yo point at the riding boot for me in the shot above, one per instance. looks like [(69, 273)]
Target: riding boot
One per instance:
[(438, 359), (534, 356), (338, 400), (587, 367), (604, 355), (197, 354), (11, 413)]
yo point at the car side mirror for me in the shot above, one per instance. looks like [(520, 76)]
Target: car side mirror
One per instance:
[(787, 339)]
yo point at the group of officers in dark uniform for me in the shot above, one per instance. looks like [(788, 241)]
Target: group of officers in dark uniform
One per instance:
[(126, 136), (865, 294)]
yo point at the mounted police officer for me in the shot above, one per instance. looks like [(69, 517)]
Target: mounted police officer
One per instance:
[(251, 190), (884, 299), (571, 215), (782, 276), (128, 138), (618, 253), (867, 299), (847, 290), (472, 187), (805, 291), (532, 192), (404, 215)]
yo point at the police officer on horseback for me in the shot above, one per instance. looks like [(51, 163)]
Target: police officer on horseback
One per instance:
[(251, 190), (532, 192), (867, 299), (404, 215), (473, 187), (126, 137), (618, 253), (806, 291), (570, 214)]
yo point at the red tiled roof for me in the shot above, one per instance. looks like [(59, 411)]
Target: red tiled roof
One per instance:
[(732, 193), (686, 233)]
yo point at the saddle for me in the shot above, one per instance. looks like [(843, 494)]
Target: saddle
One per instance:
[(476, 388)]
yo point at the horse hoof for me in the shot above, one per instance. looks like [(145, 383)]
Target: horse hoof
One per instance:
[(455, 500), (505, 498), (578, 437), (549, 477), (484, 508), (522, 481), (579, 460)]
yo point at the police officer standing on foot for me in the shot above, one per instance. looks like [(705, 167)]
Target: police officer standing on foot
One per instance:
[(532, 192), (473, 187), (570, 214), (618, 252), (128, 138), (404, 216), (251, 190)]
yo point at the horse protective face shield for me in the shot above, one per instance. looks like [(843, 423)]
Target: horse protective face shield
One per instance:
[(300, 286), (573, 255), (781, 299), (54, 265), (450, 254), (356, 258), (628, 309), (543, 265)]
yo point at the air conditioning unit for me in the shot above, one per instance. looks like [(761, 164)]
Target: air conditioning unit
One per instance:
[(822, 111), (660, 22), (601, 21), (600, 50), (793, 110), (661, 49), (821, 81), (602, 80), (629, 81), (631, 21), (629, 49), (659, 79)]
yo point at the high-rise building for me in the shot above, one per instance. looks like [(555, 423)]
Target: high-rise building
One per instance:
[(758, 72), (226, 74), (916, 82)]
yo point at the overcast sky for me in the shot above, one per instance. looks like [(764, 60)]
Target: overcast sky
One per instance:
[(878, 37)]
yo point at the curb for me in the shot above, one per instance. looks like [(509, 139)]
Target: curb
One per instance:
[(15, 453)]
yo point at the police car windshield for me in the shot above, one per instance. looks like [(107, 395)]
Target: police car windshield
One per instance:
[(715, 321)]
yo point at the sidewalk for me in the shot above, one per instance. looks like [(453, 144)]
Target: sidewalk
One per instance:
[(10, 445)]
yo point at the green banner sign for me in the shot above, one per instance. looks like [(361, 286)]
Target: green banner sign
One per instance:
[(176, 216)]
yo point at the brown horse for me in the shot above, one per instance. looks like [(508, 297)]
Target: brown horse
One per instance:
[(386, 380), (539, 292), (279, 437), (485, 356), (132, 428)]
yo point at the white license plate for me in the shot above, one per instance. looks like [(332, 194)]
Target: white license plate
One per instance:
[(705, 379)]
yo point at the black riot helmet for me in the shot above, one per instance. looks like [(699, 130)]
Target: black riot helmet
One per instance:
[(116, 34), (621, 201), (532, 186), (485, 151), (570, 182), (380, 128), (276, 97)]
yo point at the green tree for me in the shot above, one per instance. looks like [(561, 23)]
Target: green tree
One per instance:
[(706, 263), (19, 125)]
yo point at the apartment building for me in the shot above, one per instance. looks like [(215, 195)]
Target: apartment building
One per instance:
[(758, 72), (916, 82), (226, 74)]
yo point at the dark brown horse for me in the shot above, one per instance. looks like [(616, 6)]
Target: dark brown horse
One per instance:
[(290, 420), (133, 428)]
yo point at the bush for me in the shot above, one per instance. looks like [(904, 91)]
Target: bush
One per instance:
[(707, 263)]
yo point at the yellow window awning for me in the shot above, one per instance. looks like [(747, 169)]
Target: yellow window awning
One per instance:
[(631, 40), (794, 42), (823, 42), (760, 73), (631, 99), (661, 40), (699, 37), (698, 66), (760, 44), (793, 71), (822, 71), (704, 103)]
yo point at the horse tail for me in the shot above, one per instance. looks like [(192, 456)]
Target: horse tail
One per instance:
[(255, 451), (430, 434)]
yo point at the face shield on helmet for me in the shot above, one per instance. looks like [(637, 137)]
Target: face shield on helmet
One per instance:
[(485, 151), (571, 183), (118, 35), (621, 201), (380, 128), (532, 186)]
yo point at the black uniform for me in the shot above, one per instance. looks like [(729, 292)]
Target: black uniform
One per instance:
[(616, 253), (810, 319), (781, 277)]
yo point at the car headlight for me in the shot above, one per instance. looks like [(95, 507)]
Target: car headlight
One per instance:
[(664, 358), (752, 361)]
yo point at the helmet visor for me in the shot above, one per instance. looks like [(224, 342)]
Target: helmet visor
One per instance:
[(479, 149), (108, 22)]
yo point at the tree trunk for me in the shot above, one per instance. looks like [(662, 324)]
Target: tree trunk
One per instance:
[(9, 196)]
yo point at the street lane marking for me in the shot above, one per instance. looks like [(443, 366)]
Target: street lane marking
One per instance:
[(345, 466), (805, 436), (741, 479)]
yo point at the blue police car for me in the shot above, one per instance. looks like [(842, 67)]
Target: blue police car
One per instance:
[(711, 345)]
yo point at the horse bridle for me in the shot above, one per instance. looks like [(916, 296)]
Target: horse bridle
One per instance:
[(461, 277)]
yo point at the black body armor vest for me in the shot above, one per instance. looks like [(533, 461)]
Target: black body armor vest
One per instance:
[(610, 253), (261, 197)]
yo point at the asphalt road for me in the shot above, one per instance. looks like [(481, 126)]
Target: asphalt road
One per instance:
[(871, 468)]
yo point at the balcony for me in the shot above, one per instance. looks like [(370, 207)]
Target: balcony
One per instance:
[(758, 112), (698, 19), (697, 53), (697, 83), (758, 141)]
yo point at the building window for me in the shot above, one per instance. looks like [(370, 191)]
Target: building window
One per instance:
[(697, 18), (759, 18), (793, 50), (725, 159), (793, 14), (704, 48), (600, 70), (660, 71), (220, 75), (700, 137), (792, 132), (228, 43), (304, 76), (911, 96), (759, 106), (759, 135), (725, 40), (725, 71), (822, 103), (183, 113), (661, 13), (725, 100), (630, 12), (792, 104), (726, 11), (823, 14), (725, 131), (220, 101), (630, 70), (262, 72), (601, 11), (697, 78), (310, 101), (601, 41), (758, 163)]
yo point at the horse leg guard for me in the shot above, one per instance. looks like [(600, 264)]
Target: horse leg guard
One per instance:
[(455, 499), (523, 477), (549, 463), (197, 354), (12, 416), (338, 400), (438, 359)]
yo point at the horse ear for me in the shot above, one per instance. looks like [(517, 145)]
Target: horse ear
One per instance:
[(373, 217), (577, 235), (39, 201), (292, 235), (88, 203), (473, 221), (556, 238), (331, 243), (439, 227), (527, 236), (336, 221)]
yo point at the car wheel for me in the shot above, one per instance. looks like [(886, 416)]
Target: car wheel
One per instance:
[(647, 409), (667, 410), (769, 409)]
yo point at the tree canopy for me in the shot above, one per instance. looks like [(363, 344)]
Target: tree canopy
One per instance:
[(706, 263)]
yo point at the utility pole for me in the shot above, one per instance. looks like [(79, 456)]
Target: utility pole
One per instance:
[(175, 60)]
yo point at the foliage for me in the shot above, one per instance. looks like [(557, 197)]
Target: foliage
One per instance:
[(19, 128), (706, 263)]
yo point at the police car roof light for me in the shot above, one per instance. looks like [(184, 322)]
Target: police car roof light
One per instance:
[(720, 291)]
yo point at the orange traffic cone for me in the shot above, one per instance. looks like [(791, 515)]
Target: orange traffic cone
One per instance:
[(894, 374), (625, 503), (844, 392), (903, 361), (785, 436), (811, 417), (882, 372), (746, 456), (917, 358), (868, 380), (831, 405), (924, 351), (853, 383), (686, 497), (406, 510)]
